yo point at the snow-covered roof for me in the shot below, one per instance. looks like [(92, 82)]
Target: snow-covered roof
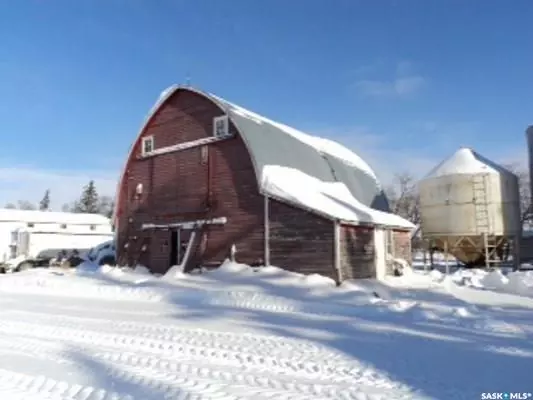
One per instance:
[(276, 147), (13, 215), (273, 143), (330, 198), (466, 161)]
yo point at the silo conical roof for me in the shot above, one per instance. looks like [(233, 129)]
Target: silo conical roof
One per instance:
[(466, 161)]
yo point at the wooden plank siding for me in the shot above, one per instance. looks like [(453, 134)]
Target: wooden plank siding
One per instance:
[(301, 241), (357, 252), (218, 180), (190, 185)]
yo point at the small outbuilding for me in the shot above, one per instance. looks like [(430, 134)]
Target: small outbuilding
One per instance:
[(207, 180)]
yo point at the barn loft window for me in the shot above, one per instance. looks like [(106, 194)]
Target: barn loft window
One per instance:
[(147, 145), (221, 126)]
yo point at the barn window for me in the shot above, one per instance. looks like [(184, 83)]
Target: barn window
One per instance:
[(93, 227), (147, 145), (221, 126), (31, 225), (63, 226)]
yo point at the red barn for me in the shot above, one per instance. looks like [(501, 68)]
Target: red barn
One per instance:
[(206, 180)]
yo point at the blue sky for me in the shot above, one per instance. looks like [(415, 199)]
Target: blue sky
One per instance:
[(403, 83)]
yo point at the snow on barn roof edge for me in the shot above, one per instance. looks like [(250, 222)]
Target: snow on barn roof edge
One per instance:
[(339, 184)]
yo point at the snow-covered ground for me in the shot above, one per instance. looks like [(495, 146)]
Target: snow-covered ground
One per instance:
[(240, 333)]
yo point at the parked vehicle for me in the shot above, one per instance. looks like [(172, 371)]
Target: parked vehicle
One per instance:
[(103, 254), (35, 238)]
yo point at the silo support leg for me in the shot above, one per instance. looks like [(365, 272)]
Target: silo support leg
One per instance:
[(446, 261), (486, 248)]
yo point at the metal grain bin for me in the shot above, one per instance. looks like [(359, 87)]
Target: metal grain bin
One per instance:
[(470, 207)]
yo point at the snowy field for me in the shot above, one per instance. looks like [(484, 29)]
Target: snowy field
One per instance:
[(238, 333)]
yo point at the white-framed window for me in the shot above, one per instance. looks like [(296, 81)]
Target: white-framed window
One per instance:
[(221, 126), (147, 145)]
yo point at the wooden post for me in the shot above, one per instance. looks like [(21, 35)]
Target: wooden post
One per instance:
[(426, 249), (516, 252), (337, 251), (267, 231), (431, 258), (446, 261), (487, 253)]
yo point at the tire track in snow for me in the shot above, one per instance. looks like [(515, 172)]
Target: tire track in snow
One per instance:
[(29, 387), (320, 369), (172, 378), (44, 286), (246, 300), (254, 343), (317, 369)]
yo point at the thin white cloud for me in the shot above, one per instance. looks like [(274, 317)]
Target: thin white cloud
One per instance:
[(398, 87), (404, 83), (29, 183)]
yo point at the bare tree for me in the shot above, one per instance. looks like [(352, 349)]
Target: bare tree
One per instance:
[(106, 205), (403, 197), (26, 205), (523, 191), (10, 206)]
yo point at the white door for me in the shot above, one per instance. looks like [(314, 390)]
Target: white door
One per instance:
[(380, 241)]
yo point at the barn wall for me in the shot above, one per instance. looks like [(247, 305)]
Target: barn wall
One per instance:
[(357, 252), (300, 241), (186, 185)]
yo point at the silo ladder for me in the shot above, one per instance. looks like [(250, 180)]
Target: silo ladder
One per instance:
[(481, 204)]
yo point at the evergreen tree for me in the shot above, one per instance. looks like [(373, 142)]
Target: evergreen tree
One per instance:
[(88, 202), (44, 204)]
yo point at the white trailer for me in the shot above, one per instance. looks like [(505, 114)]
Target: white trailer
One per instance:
[(32, 238)]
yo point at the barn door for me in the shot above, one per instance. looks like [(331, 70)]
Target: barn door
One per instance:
[(185, 247), (359, 259)]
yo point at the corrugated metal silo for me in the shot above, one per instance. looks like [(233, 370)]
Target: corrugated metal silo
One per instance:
[(470, 207)]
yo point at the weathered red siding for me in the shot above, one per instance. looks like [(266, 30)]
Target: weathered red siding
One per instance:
[(184, 186), (301, 241), (357, 252), (218, 180)]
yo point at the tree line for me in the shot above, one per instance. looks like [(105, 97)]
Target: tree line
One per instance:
[(89, 202)]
